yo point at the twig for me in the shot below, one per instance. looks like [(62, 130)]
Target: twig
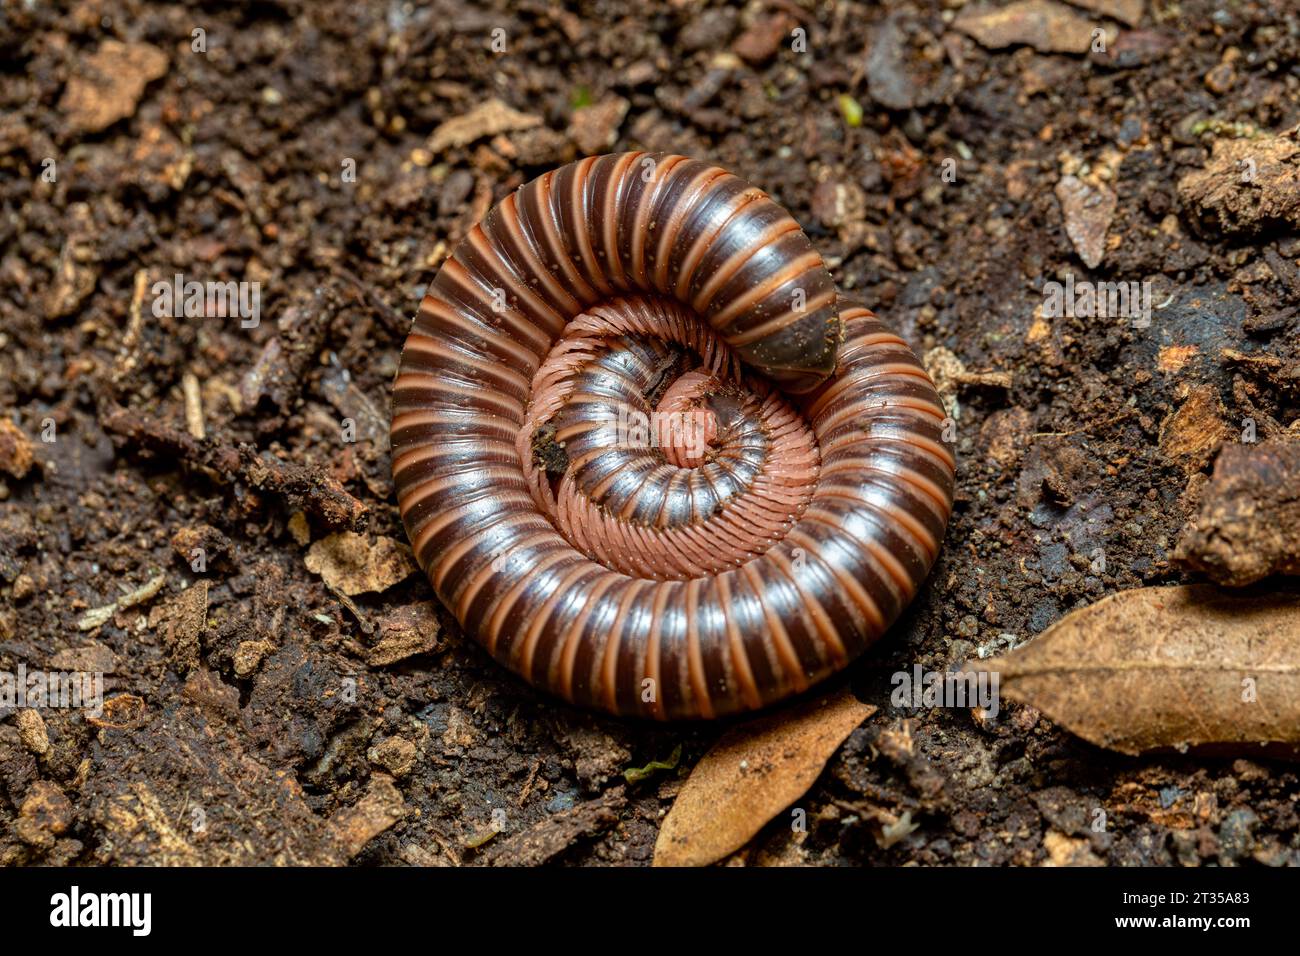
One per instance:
[(320, 494)]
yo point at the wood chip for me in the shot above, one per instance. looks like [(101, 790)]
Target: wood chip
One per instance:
[(487, 119), (1089, 210), (546, 840), (381, 807), (1190, 436)]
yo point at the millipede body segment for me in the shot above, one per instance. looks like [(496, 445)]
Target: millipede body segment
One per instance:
[(649, 457)]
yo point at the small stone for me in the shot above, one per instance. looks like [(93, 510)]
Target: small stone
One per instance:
[(595, 128), (249, 655), (395, 754), (1088, 209), (299, 529), (1221, 79), (1063, 850), (109, 84), (32, 732), (45, 814), (760, 42), (838, 204), (24, 587), (15, 449), (405, 632), (352, 564)]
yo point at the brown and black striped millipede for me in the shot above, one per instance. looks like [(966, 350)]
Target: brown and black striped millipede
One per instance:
[(641, 577)]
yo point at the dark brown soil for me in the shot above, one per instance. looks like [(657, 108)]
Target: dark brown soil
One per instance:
[(279, 723)]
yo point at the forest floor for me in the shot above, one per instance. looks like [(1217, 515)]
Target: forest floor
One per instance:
[(280, 691)]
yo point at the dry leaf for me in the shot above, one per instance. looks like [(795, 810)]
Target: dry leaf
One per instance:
[(752, 773), (1166, 667), (1045, 25)]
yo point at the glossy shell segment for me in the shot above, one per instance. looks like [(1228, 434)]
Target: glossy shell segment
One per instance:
[(640, 577)]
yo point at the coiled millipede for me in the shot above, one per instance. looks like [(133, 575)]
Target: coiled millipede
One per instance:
[(663, 572)]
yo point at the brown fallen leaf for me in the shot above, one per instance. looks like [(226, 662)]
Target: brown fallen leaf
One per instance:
[(751, 774), (1166, 667)]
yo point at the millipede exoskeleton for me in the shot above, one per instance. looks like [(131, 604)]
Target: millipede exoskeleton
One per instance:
[(646, 454)]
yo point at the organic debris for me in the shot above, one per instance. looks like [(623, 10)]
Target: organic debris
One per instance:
[(1249, 524)]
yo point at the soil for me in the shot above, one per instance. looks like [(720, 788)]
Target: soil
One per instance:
[(261, 711)]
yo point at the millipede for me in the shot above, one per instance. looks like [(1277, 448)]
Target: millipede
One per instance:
[(774, 529)]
